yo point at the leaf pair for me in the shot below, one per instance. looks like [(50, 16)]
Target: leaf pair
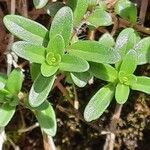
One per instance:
[(127, 10), (9, 90), (127, 67)]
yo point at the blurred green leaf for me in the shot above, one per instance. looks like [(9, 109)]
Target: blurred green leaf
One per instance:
[(94, 51), (127, 79), (80, 79), (126, 10), (129, 62), (79, 9), (131, 79), (14, 82), (3, 79), (56, 45), (107, 40), (2, 97), (98, 103), (6, 113), (48, 70), (40, 90), (99, 18), (92, 3), (35, 69), (143, 50), (103, 71), (125, 41), (73, 64), (46, 118), (62, 24), (53, 7), (29, 51), (39, 3), (26, 29), (142, 84), (122, 93)]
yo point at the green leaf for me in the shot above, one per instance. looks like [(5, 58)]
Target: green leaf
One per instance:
[(122, 93), (39, 3), (107, 40), (143, 50), (56, 45), (6, 113), (30, 52), (126, 10), (79, 9), (14, 101), (103, 71), (131, 79), (102, 5), (94, 51), (40, 90), (2, 97), (14, 82), (125, 41), (129, 62), (99, 18), (5, 92), (127, 79), (72, 4), (3, 79), (98, 103), (92, 3), (46, 118), (48, 70), (142, 84), (35, 69), (26, 29), (73, 64), (62, 24), (80, 79), (53, 8)]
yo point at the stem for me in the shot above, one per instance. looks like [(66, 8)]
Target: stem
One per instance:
[(125, 23), (29, 128), (64, 92), (76, 101), (115, 27), (110, 138), (15, 147), (48, 142), (144, 5), (2, 137), (24, 8)]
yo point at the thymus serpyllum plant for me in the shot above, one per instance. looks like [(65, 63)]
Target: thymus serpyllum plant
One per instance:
[(133, 52), (59, 51), (9, 91)]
